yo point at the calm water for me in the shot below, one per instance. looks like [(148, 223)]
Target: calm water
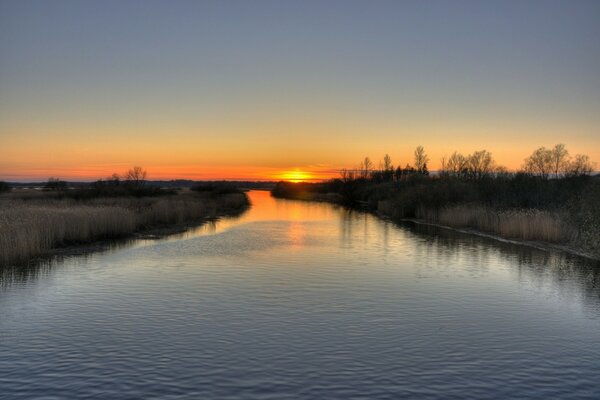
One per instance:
[(302, 300)]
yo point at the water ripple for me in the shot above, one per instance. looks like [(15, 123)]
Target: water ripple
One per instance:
[(301, 300)]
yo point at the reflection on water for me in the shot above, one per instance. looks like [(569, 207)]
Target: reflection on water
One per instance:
[(303, 300), (571, 275)]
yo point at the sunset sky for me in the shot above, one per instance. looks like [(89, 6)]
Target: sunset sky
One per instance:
[(259, 89)]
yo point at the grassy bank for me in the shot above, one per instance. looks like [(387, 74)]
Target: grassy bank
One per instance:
[(513, 206), (32, 225)]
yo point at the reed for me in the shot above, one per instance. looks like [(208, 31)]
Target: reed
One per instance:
[(531, 224), (29, 228)]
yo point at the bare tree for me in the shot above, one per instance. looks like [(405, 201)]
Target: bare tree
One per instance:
[(539, 163), (480, 164), (365, 168), (421, 159), (114, 179), (347, 175), (456, 164), (387, 163), (559, 159), (387, 168), (136, 176), (580, 166), (556, 162)]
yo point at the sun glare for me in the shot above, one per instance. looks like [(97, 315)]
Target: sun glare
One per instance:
[(296, 176)]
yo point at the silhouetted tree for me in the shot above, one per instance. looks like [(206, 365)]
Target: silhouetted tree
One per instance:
[(347, 175), (136, 176), (398, 174), (387, 169), (581, 165), (455, 165), (559, 158), (421, 159), (546, 162), (539, 163), (55, 184), (479, 164), (408, 171), (114, 179), (365, 168)]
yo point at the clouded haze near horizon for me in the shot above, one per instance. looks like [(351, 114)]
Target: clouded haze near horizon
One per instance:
[(249, 89)]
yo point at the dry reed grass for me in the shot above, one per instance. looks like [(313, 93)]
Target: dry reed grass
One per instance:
[(28, 228), (514, 224)]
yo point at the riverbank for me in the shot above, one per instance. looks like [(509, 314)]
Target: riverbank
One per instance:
[(36, 226), (545, 246), (573, 228)]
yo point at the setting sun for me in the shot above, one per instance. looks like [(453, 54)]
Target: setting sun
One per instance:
[(296, 176)]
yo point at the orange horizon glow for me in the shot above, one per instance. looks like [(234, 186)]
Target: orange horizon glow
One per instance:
[(20, 172), (195, 173), (296, 176), (228, 155)]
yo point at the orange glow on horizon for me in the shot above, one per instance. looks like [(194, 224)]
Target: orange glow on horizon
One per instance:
[(296, 176), (93, 172)]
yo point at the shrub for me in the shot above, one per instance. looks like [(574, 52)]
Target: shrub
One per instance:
[(216, 189), (55, 184)]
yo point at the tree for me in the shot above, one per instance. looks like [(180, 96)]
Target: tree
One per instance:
[(456, 165), (398, 173), (365, 168), (387, 163), (55, 184), (421, 159), (539, 163), (560, 159), (580, 166), (347, 175), (387, 168), (136, 176), (114, 179), (546, 162), (479, 164)]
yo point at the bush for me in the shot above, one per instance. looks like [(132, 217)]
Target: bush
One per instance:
[(108, 189), (216, 189), (55, 184)]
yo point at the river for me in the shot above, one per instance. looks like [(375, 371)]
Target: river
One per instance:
[(303, 300)]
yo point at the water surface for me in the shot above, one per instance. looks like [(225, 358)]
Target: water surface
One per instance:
[(303, 300)]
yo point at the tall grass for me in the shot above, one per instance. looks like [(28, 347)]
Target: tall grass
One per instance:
[(28, 228), (528, 224)]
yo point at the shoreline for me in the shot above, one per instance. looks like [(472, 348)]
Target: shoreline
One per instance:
[(99, 246), (92, 227), (540, 245), (545, 246)]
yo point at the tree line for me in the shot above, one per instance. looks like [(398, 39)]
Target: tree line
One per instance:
[(544, 163)]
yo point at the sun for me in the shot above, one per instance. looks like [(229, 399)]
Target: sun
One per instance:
[(296, 176)]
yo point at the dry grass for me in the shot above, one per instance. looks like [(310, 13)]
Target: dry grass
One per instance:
[(515, 224), (28, 228)]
